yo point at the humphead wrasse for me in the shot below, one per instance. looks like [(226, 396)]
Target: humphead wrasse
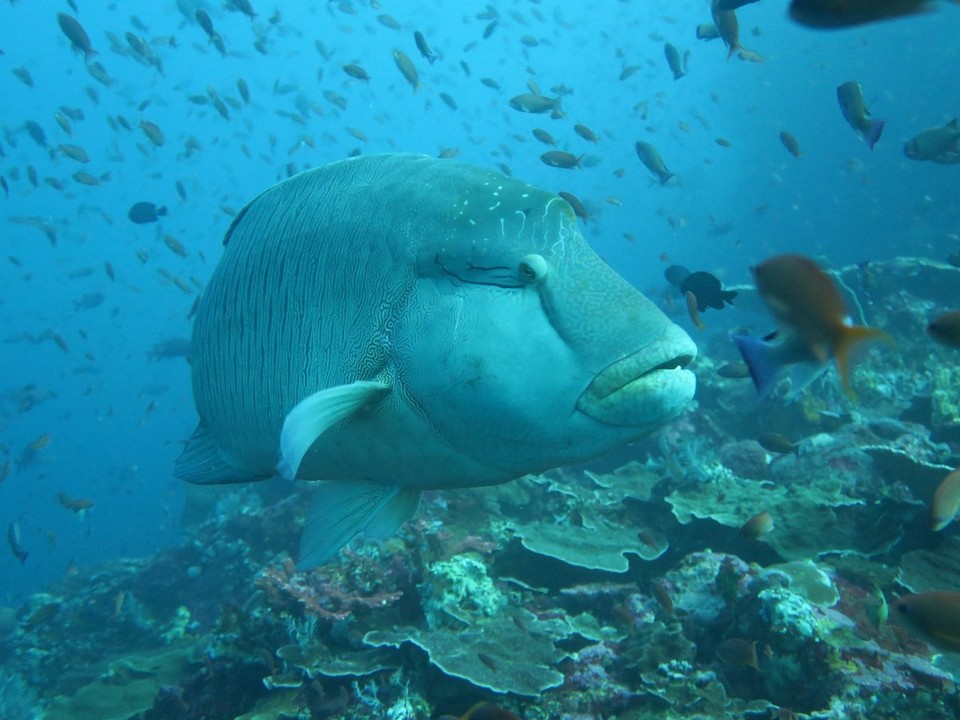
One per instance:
[(394, 323)]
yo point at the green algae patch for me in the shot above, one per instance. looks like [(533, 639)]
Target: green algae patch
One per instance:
[(128, 687)]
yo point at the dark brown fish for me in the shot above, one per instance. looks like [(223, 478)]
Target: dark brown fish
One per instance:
[(757, 526), (777, 443), (946, 328), (662, 596), (145, 212), (737, 652), (75, 33)]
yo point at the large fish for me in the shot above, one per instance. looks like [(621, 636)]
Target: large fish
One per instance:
[(394, 323)]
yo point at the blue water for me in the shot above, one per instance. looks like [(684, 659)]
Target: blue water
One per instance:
[(117, 420)]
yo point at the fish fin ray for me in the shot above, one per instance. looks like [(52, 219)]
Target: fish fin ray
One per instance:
[(340, 510), (394, 514), (757, 355), (310, 417), (202, 462)]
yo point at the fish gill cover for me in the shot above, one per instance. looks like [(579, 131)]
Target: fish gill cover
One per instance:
[(709, 135)]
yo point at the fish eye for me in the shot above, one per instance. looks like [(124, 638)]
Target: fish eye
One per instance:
[(532, 268)]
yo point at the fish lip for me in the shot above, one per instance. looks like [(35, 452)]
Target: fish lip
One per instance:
[(647, 386)]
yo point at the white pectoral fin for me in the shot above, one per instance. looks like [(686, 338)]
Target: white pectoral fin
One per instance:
[(310, 417), (341, 509)]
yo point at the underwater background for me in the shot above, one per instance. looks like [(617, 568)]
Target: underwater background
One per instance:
[(95, 397)]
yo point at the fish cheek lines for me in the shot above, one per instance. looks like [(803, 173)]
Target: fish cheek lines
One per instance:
[(504, 277)]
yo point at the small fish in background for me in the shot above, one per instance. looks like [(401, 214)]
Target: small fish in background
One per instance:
[(543, 136), (945, 329), (854, 109), (357, 72), (578, 207), (946, 502), (407, 68), (939, 144), (790, 143), (734, 371), (144, 212), (586, 133), (153, 132), (650, 157), (777, 443), (660, 593), (75, 505), (836, 14), (242, 6), (812, 320), (675, 61), (757, 526), (707, 31), (424, 47), (538, 104), (561, 159), (737, 652), (75, 33), (13, 540), (934, 616)]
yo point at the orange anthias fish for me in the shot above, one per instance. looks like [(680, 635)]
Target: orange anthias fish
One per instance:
[(946, 502), (934, 615), (812, 321)]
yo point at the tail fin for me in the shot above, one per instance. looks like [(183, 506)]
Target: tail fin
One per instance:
[(873, 134), (757, 355), (853, 336)]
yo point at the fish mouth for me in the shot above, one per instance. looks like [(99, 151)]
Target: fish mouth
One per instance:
[(647, 387)]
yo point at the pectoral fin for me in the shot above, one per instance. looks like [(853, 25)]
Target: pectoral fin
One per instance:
[(341, 509), (311, 416)]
